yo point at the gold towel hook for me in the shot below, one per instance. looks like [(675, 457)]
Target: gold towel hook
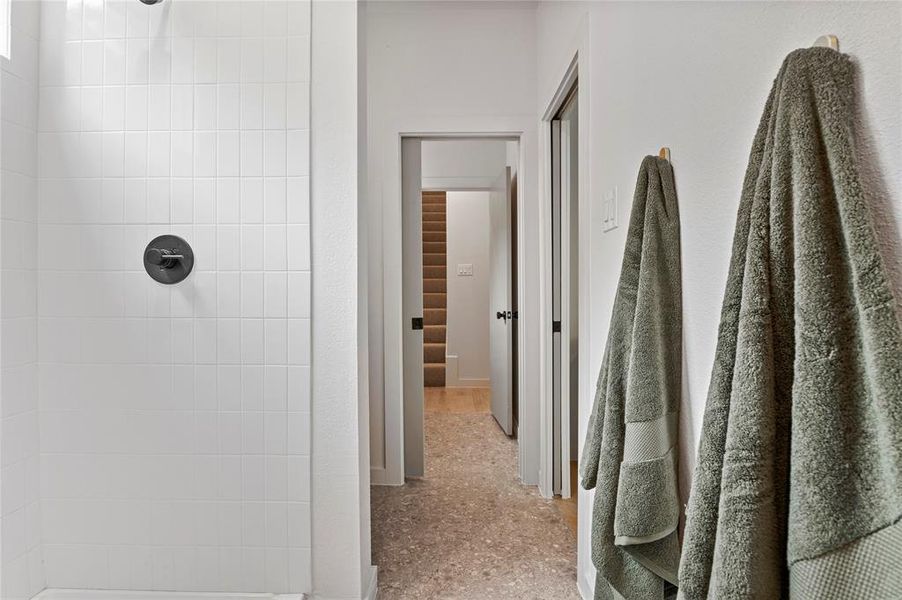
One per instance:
[(828, 41), (664, 153)]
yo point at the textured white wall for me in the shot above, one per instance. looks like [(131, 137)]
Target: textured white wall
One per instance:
[(468, 296), (342, 568), (694, 77), (21, 569), (469, 67), (175, 423)]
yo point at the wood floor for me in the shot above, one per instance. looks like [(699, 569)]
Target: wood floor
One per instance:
[(458, 400), (568, 507), (478, 400)]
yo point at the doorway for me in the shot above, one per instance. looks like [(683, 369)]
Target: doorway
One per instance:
[(460, 304), (464, 505), (564, 137)]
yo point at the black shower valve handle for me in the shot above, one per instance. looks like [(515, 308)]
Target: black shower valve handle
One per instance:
[(163, 257), (168, 259)]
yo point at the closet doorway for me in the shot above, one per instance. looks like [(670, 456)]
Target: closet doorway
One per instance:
[(564, 137)]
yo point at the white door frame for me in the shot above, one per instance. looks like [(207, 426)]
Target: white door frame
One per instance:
[(523, 130), (412, 304), (574, 63)]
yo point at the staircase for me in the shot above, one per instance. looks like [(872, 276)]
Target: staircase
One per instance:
[(435, 288)]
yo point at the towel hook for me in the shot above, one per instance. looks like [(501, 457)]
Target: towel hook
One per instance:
[(828, 41), (664, 153)]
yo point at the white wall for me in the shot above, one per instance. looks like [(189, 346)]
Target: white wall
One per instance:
[(694, 77), (462, 164), (439, 68), (21, 570), (175, 420), (468, 296), (342, 567)]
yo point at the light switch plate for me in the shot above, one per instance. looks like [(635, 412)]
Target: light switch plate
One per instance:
[(465, 270), (609, 210)]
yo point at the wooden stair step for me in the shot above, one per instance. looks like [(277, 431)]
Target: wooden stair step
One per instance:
[(428, 216), (435, 316), (434, 375), (434, 353), (435, 259), (434, 207), (435, 271), (434, 247), (434, 226), (431, 286), (435, 300), (435, 236), (435, 333)]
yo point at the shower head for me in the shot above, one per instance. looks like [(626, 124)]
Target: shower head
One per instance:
[(149, 2)]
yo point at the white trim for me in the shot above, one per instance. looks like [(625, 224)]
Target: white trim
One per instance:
[(450, 184), (452, 370), (585, 586), (372, 588), (453, 379), (546, 343), (73, 594), (473, 383), (566, 202), (379, 476), (523, 129), (412, 306), (577, 57)]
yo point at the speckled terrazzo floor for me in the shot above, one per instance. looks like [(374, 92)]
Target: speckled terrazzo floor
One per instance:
[(468, 529)]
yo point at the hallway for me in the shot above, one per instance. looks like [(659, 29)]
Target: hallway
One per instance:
[(469, 530)]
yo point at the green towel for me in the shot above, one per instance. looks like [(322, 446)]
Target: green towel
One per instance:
[(798, 488), (630, 452)]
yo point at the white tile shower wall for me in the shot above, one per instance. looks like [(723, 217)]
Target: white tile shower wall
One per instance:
[(21, 573), (175, 423)]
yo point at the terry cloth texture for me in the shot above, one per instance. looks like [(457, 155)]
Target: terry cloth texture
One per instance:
[(797, 492), (630, 453)]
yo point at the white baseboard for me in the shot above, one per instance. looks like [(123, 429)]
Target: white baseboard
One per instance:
[(68, 594), (381, 476), (586, 586), (451, 370), (473, 383), (453, 378), (370, 589)]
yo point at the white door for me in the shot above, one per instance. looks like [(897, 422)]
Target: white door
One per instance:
[(412, 307), (500, 307)]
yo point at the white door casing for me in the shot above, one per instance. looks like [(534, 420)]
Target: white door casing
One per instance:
[(412, 307), (569, 352)]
